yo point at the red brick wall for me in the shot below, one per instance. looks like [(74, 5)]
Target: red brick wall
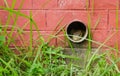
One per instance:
[(48, 13)]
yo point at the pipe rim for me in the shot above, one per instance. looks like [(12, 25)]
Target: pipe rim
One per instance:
[(85, 35)]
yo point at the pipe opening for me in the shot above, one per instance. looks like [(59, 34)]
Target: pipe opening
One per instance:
[(77, 31)]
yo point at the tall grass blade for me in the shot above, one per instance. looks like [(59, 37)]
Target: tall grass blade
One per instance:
[(98, 49), (31, 33)]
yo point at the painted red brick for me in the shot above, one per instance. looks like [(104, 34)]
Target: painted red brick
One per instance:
[(115, 40), (51, 15), (98, 37), (46, 36), (110, 37), (20, 39), (26, 4), (119, 4), (4, 18), (99, 20), (40, 19), (54, 17), (72, 4), (104, 4), (1, 3), (23, 39), (62, 40), (15, 20), (113, 19), (44, 4), (22, 22)]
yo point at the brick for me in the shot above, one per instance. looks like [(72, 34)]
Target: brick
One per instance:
[(23, 39), (103, 4), (24, 23), (102, 35), (46, 35), (98, 36), (40, 19), (72, 4), (99, 18), (44, 4), (25, 4), (62, 40), (113, 19), (16, 20), (65, 17), (2, 3), (21, 21), (53, 18), (119, 4), (114, 40), (4, 18), (19, 39)]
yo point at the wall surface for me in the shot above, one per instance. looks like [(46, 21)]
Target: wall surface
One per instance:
[(51, 15)]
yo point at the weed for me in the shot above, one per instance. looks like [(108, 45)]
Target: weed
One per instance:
[(45, 60)]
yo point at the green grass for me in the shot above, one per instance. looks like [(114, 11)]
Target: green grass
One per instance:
[(44, 60)]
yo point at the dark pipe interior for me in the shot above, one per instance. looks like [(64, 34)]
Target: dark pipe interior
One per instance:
[(76, 25)]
